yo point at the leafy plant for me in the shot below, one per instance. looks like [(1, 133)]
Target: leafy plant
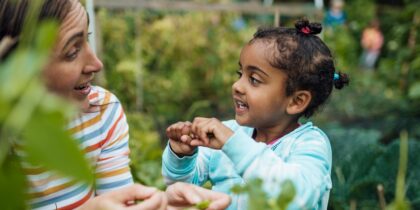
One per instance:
[(259, 199), (32, 120)]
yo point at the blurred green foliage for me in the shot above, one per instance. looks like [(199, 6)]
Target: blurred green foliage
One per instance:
[(260, 198), (31, 118), (171, 66)]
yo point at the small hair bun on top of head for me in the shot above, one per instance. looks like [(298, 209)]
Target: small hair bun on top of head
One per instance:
[(340, 80), (305, 27)]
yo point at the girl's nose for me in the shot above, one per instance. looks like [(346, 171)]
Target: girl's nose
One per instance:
[(237, 87)]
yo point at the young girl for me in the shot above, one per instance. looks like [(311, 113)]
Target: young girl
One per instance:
[(284, 74)]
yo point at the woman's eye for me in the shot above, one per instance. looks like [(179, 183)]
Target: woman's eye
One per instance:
[(72, 54)]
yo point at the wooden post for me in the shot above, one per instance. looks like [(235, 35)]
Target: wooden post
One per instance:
[(277, 18), (139, 72)]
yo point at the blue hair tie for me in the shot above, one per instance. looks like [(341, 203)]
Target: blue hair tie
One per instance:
[(336, 76)]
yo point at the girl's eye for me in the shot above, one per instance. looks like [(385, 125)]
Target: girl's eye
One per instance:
[(254, 81), (239, 73)]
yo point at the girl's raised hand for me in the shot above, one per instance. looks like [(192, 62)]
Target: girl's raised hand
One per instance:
[(179, 138), (209, 132)]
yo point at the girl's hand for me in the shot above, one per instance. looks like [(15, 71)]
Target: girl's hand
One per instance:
[(209, 132), (179, 135)]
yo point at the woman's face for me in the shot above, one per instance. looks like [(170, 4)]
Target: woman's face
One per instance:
[(73, 63)]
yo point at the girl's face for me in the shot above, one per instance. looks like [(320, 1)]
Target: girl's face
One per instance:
[(72, 64), (260, 92)]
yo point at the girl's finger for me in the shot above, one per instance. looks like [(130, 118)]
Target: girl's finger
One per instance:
[(186, 129), (178, 131), (204, 131), (197, 142), (186, 139)]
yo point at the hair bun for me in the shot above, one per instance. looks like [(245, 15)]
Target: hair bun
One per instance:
[(341, 81), (305, 27)]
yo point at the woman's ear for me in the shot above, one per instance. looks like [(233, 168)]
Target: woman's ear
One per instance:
[(299, 101)]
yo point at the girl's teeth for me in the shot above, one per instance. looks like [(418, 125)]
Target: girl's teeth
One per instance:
[(241, 105)]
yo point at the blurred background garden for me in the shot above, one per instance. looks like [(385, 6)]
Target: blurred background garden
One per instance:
[(168, 64), (176, 60)]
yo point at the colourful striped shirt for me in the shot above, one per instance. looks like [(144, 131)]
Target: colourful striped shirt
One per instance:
[(102, 133), (302, 156)]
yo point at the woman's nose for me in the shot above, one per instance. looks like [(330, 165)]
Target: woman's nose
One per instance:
[(93, 63)]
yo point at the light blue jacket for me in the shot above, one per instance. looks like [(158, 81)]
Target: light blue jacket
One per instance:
[(302, 156)]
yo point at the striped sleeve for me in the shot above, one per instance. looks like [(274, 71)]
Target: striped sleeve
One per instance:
[(112, 167)]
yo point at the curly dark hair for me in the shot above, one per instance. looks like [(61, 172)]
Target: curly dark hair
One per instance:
[(305, 59)]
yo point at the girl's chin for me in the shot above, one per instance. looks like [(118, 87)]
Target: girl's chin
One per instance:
[(241, 120)]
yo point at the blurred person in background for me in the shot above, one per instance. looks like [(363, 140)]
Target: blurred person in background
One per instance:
[(335, 16), (371, 41)]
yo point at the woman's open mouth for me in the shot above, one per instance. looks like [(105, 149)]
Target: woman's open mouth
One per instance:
[(83, 89)]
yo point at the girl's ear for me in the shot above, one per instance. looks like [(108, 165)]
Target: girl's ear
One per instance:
[(299, 101)]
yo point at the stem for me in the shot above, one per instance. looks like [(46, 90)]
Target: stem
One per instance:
[(382, 202), (353, 204), (402, 168), (411, 44)]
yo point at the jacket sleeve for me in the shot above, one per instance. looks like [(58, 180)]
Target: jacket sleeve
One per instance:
[(191, 169), (307, 166)]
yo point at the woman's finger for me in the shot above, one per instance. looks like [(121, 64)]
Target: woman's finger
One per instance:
[(157, 202), (132, 192)]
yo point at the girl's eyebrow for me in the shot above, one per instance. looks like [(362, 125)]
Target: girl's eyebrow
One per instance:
[(254, 68)]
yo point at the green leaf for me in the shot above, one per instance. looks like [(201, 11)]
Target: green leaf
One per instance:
[(287, 194), (202, 205), (26, 63), (414, 91), (4, 108), (12, 185), (46, 143), (46, 36), (15, 75)]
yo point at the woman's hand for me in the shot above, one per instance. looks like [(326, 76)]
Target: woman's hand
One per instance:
[(182, 195), (126, 199)]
